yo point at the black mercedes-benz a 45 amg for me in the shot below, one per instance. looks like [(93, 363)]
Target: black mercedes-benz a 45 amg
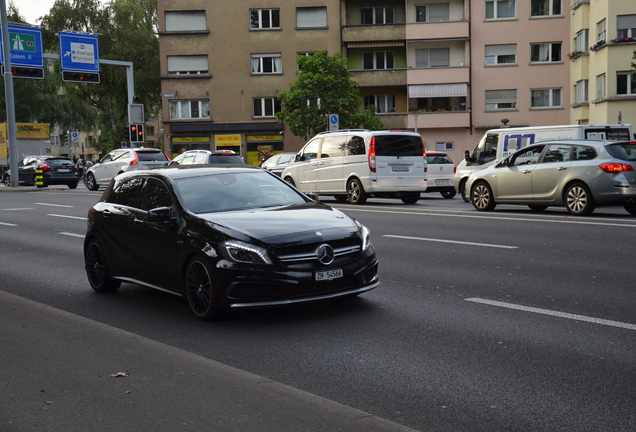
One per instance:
[(225, 237)]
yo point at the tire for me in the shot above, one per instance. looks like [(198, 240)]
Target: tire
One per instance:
[(449, 194), (290, 181), (90, 182), (481, 197), (411, 198), (579, 200), (97, 269), (340, 198), (72, 185), (631, 208), (537, 208), (201, 292), (462, 191), (355, 192)]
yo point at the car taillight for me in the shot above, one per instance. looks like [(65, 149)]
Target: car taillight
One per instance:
[(615, 167), (372, 154), (45, 167), (424, 154), (135, 161)]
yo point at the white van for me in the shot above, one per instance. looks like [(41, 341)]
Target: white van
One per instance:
[(353, 165), (497, 144)]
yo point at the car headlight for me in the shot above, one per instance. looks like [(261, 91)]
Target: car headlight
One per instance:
[(365, 234), (238, 251)]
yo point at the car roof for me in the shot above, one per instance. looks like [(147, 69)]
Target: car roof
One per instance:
[(370, 132), (187, 171), (221, 152)]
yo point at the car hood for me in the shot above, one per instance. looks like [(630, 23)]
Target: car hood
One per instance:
[(281, 224)]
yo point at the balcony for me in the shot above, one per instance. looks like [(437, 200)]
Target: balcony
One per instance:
[(376, 77), (437, 30), (445, 75), (371, 33)]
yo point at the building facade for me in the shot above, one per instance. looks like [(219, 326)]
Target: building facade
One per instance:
[(449, 69)]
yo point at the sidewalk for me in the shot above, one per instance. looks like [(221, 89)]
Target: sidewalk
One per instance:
[(57, 374)]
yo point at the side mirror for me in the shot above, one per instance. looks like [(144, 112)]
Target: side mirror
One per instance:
[(160, 214), (467, 156), (313, 196)]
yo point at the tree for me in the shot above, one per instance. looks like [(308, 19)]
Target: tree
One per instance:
[(127, 31), (324, 86)]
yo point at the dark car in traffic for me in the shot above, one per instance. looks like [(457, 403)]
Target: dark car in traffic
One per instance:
[(223, 238), (42, 171)]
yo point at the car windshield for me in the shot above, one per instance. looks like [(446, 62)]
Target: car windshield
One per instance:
[(623, 151), (226, 159), (398, 145), (438, 159), (235, 191)]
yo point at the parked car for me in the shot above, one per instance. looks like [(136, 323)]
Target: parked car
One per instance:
[(277, 163), (202, 157), (225, 237), (51, 170), (441, 172), (357, 164), (123, 160), (580, 175)]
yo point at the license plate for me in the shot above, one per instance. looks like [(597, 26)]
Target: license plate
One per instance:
[(399, 168), (63, 170), (445, 182), (329, 274)]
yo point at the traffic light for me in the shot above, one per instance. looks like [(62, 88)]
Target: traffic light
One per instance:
[(80, 77), (26, 72), (132, 133), (140, 133)]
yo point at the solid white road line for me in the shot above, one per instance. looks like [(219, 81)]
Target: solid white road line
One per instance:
[(554, 313), (8, 224), (72, 234), (14, 209), (54, 205), (451, 241), (66, 216)]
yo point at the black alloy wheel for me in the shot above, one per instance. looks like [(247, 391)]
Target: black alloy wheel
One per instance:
[(72, 185), (97, 269), (449, 194), (90, 182), (631, 208), (482, 197), (355, 192), (579, 200), (200, 290)]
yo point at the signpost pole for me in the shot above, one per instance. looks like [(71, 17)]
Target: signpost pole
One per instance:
[(12, 144)]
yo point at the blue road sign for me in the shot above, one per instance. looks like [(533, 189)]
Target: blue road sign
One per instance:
[(79, 52), (25, 46)]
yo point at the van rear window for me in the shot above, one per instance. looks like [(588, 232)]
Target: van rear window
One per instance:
[(398, 145)]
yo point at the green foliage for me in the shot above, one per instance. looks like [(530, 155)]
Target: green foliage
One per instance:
[(324, 86)]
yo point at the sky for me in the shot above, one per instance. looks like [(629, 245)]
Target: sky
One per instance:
[(31, 10)]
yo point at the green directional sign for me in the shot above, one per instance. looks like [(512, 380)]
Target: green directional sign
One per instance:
[(22, 42)]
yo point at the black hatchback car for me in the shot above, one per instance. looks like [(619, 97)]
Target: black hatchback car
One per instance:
[(225, 237), (43, 171)]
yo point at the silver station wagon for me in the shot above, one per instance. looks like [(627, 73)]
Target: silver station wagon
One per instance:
[(580, 175)]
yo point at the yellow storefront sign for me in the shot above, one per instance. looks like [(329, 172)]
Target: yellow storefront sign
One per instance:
[(227, 140), (191, 139)]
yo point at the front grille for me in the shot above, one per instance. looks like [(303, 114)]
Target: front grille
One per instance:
[(304, 257)]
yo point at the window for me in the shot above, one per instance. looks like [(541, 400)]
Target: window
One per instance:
[(155, 195), (580, 92), (311, 17), (434, 12), (626, 26), (445, 146), (601, 34), (310, 151), (378, 60), (188, 65), (355, 146), (557, 153), (501, 54), (499, 9), (546, 98), (377, 15), (185, 21), (267, 63), (545, 7), (432, 57), (625, 84), (530, 156), (600, 86), (383, 103), (127, 193), (581, 42), (190, 109), (501, 99), (545, 52), (304, 54), (266, 107), (333, 146), (264, 18)]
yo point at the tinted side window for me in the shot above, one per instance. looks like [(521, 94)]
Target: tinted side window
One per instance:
[(156, 194), (333, 146), (355, 145), (127, 192), (624, 151), (557, 153), (398, 145), (584, 153)]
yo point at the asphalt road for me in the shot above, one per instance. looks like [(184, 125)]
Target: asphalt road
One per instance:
[(510, 320)]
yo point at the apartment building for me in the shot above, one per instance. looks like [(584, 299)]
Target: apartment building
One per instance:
[(449, 69), (603, 34)]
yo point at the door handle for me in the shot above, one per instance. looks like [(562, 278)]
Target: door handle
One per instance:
[(526, 171), (562, 168)]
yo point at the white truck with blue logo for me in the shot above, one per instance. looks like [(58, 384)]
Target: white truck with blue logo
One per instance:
[(496, 144)]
